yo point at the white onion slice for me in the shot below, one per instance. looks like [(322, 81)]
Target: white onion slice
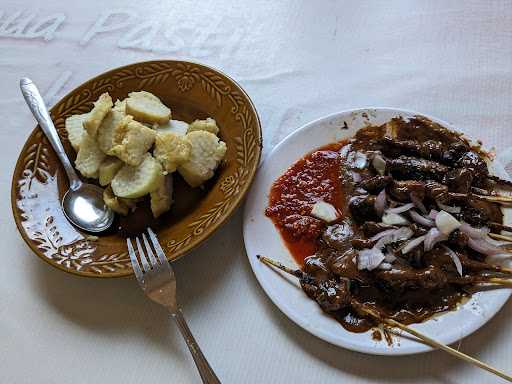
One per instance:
[(391, 218), (356, 177), (475, 233), (418, 203), (382, 234), (379, 164), (432, 214), (484, 247), (448, 208), (455, 259), (324, 211), (385, 266), (357, 160), (380, 202), (345, 150), (400, 234), (446, 223), (426, 222), (411, 244), (433, 237), (401, 209), (369, 259)]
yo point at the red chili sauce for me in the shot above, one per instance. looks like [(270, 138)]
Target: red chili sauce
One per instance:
[(312, 178)]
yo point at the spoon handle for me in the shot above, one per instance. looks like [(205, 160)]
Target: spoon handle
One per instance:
[(36, 104)]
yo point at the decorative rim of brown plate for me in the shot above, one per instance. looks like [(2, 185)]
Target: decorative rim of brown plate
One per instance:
[(186, 74)]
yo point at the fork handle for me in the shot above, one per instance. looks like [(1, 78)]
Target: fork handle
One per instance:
[(206, 372)]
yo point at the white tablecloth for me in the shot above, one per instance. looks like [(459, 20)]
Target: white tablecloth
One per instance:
[(298, 60)]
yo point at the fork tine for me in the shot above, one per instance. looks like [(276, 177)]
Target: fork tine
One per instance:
[(159, 251), (142, 256), (151, 256), (133, 259)]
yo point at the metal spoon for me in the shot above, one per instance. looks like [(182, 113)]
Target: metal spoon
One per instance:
[(82, 203)]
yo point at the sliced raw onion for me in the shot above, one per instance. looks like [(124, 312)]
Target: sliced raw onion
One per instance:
[(357, 160), (432, 214), (380, 202), (389, 257), (324, 211), (379, 235), (455, 259), (401, 209), (369, 258), (356, 177), (411, 244), (447, 208), (391, 218), (379, 163), (345, 150), (400, 234), (418, 203), (475, 233), (446, 223), (433, 237), (385, 266), (484, 247), (425, 221)]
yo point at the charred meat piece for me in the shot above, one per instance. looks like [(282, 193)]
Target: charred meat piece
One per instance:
[(430, 149), (401, 190), (436, 191), (458, 180), (362, 208), (411, 168), (454, 152), (474, 216), (458, 239), (487, 210), (375, 184), (478, 212), (476, 165), (315, 266), (345, 265), (402, 277), (330, 294)]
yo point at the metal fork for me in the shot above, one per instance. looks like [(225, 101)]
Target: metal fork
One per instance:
[(156, 278)]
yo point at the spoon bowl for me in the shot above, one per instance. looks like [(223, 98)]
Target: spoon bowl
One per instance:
[(82, 203), (85, 208)]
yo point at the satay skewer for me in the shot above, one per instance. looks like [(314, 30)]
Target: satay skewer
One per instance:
[(365, 310), (497, 236), (500, 227), (499, 199)]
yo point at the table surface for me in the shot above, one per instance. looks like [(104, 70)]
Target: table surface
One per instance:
[(298, 60)]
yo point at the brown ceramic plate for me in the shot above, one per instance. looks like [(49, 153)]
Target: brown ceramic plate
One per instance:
[(192, 91)]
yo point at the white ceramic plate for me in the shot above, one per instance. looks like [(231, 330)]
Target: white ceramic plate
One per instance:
[(261, 237)]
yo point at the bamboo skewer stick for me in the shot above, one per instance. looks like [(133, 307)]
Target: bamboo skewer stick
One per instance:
[(503, 200), (499, 199), (498, 280), (497, 236), (363, 309), (435, 344)]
